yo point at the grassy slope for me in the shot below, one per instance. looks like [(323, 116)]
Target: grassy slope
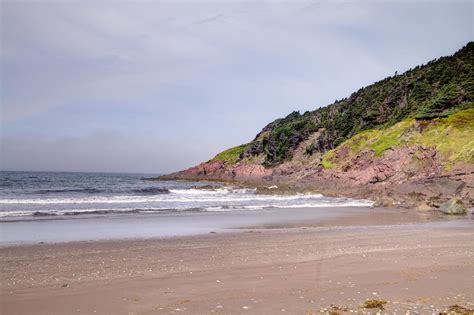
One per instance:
[(230, 155), (451, 136)]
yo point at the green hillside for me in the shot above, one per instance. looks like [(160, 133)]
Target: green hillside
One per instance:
[(451, 136), (437, 89)]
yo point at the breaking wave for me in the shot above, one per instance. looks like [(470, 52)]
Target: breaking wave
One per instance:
[(65, 191), (124, 194)]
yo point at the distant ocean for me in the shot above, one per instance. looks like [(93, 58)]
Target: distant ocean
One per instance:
[(31, 195)]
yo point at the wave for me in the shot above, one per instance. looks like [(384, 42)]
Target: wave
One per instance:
[(221, 208), (144, 191), (155, 199), (354, 203), (216, 191), (160, 198), (151, 191), (69, 190), (77, 212)]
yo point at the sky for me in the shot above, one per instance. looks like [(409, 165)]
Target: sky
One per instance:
[(158, 86)]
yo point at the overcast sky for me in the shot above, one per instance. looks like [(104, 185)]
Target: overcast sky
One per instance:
[(158, 86)]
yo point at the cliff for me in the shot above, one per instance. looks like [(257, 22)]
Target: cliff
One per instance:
[(406, 139)]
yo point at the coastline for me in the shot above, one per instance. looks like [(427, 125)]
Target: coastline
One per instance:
[(385, 186), (421, 265), (166, 224)]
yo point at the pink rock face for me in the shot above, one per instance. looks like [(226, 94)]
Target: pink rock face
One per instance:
[(250, 171), (214, 167), (402, 172), (205, 169), (395, 166), (220, 170)]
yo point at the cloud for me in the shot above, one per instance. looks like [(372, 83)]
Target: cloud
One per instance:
[(216, 70), (99, 151)]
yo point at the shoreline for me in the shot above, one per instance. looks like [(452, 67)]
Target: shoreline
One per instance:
[(419, 266), (394, 220), (425, 192), (186, 223)]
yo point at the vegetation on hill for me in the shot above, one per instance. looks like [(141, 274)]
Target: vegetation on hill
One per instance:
[(451, 136), (428, 92), (230, 155)]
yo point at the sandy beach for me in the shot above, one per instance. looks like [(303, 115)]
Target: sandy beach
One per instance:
[(236, 157), (423, 266)]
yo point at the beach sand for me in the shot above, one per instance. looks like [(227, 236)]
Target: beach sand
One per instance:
[(417, 265)]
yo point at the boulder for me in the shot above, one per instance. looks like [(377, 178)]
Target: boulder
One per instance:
[(453, 206)]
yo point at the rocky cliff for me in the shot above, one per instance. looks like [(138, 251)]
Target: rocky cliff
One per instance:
[(407, 139)]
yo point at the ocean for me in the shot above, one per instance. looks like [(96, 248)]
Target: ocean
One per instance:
[(50, 206), (41, 194)]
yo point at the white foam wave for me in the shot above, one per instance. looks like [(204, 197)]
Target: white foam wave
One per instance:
[(358, 203), (354, 203), (221, 199), (159, 198), (218, 191), (61, 212)]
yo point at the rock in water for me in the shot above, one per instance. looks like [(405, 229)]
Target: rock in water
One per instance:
[(453, 206)]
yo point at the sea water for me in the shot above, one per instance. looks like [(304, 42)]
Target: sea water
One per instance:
[(40, 194), (50, 206)]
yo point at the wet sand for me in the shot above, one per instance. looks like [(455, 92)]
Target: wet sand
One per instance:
[(55, 229), (421, 264)]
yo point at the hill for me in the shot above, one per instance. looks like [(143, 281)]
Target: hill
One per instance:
[(408, 138)]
